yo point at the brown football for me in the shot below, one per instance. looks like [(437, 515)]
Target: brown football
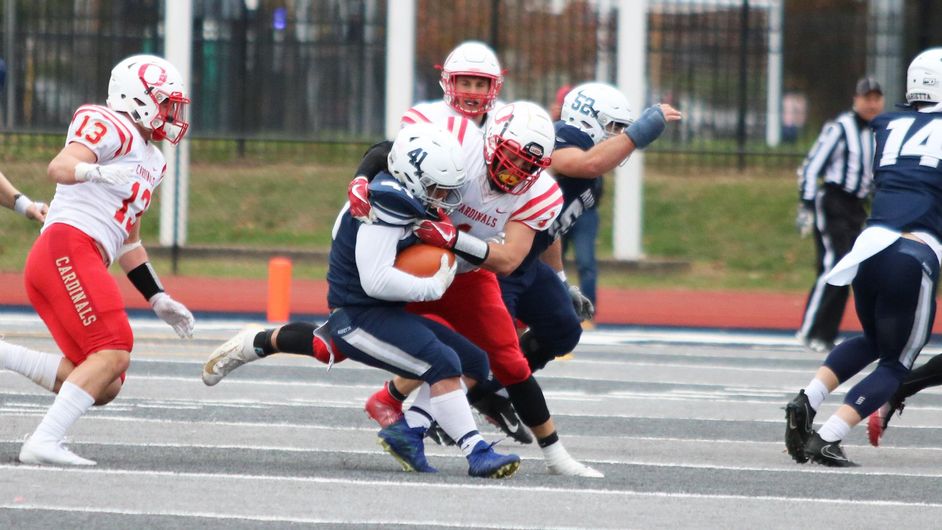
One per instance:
[(422, 260)]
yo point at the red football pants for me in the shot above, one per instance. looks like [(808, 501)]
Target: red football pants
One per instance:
[(473, 306), (70, 288)]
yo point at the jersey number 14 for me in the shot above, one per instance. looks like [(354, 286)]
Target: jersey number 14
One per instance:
[(925, 143)]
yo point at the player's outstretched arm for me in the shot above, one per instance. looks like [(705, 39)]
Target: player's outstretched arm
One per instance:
[(134, 262), (21, 204), (604, 157)]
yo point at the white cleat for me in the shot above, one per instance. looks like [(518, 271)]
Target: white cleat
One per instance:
[(572, 468), (232, 354), (50, 452)]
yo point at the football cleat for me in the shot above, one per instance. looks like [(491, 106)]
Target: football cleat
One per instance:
[(50, 452), (232, 354), (484, 462), (500, 412), (383, 408), (798, 418), (405, 444), (878, 422), (826, 453), (438, 435), (571, 467)]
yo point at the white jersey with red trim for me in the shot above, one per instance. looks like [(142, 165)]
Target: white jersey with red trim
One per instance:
[(107, 212), (439, 112), (484, 212)]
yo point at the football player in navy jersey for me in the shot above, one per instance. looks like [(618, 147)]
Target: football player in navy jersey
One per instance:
[(894, 267), (595, 134), (367, 295)]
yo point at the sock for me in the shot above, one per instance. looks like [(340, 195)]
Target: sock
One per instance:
[(418, 414), (39, 367), (262, 343), (394, 392), (452, 412), (816, 392), (70, 404), (834, 430), (555, 453)]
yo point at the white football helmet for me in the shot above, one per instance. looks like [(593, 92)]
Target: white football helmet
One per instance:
[(471, 58), (150, 90), (924, 77), (598, 109), (429, 163), (518, 145)]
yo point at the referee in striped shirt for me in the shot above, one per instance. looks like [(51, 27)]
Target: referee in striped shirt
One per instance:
[(843, 158)]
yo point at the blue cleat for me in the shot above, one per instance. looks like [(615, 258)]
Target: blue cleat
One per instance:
[(405, 444), (485, 462)]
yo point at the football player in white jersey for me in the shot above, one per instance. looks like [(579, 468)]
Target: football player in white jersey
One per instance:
[(506, 201), (21, 204), (106, 175), (471, 80)]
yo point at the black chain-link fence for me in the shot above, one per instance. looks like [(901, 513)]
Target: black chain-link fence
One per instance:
[(274, 76)]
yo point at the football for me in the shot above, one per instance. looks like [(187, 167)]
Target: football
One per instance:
[(422, 260)]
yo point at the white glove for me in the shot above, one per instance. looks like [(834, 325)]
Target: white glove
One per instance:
[(173, 313), (110, 174), (443, 278), (585, 310), (804, 220)]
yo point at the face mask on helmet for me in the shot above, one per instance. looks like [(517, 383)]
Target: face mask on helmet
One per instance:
[(598, 109), (465, 70), (514, 168), (471, 95), (428, 163), (171, 122), (150, 90), (517, 146)]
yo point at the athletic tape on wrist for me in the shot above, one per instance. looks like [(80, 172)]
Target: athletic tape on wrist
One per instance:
[(21, 203), (471, 248)]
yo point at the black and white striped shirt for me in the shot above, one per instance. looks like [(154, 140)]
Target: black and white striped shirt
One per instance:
[(843, 154)]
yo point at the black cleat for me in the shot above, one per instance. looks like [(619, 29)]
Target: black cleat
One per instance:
[(498, 410), (826, 453), (798, 418), (438, 435)]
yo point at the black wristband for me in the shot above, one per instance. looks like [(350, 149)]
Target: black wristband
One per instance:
[(374, 160), (145, 280)]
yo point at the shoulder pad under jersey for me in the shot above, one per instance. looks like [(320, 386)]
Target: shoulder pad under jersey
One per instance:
[(393, 204), (571, 136)]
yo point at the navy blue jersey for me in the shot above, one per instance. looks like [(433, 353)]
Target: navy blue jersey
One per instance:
[(579, 194), (393, 206), (907, 176)]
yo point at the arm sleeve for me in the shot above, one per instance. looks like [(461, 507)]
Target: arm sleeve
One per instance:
[(374, 161), (375, 255), (817, 159)]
